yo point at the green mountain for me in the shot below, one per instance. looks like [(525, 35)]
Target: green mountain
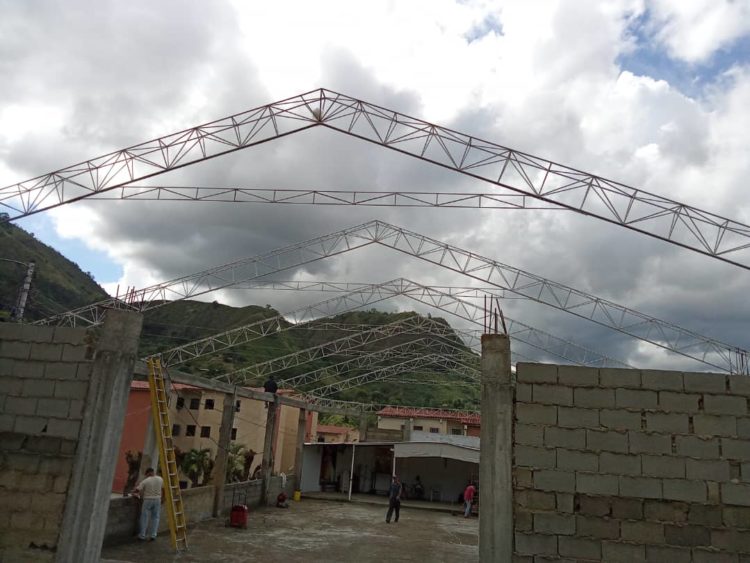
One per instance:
[(60, 285)]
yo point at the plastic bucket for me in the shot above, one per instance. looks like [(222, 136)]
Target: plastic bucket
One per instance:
[(297, 496)]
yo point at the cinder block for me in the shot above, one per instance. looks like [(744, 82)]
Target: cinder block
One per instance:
[(60, 370), (552, 480), (737, 541), (535, 544), (679, 402), (73, 353), (63, 428), (705, 382), (665, 511), (619, 464), (739, 384), (712, 425), (707, 470), (617, 552), (530, 456), (619, 377), (577, 461), (736, 516), (685, 490), (71, 389), (46, 352), (642, 532), (84, 371), (725, 404), (565, 437), (710, 555), (535, 500), (565, 502), (627, 508), (529, 434), (70, 335), (15, 350), (536, 373), (667, 422), (595, 527), (584, 418), (594, 398), (594, 506), (687, 535), (668, 554), (663, 466), (523, 520), (523, 393), (597, 484), (37, 388), (30, 424), (735, 449), (578, 376), (705, 515), (20, 405), (580, 548), (661, 380), (735, 494), (43, 444), (28, 369), (551, 523), (7, 422), (76, 410), (636, 399), (53, 407), (6, 367), (701, 448), (606, 441), (640, 487), (743, 427), (620, 419), (552, 394), (536, 414), (12, 385), (523, 477)]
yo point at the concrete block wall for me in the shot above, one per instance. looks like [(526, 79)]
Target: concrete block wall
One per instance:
[(44, 375), (631, 465)]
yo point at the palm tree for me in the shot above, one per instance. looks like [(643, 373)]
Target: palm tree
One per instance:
[(194, 464), (235, 462)]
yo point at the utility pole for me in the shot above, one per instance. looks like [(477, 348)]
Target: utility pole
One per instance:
[(24, 293)]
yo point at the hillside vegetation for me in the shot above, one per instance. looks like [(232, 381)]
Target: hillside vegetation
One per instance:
[(60, 285)]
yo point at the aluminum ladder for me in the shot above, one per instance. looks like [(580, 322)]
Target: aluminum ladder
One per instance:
[(167, 460)]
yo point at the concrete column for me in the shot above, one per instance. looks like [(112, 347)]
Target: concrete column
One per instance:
[(222, 452), (299, 454), (268, 448), (363, 426), (85, 516), (150, 450), (408, 429), (495, 467)]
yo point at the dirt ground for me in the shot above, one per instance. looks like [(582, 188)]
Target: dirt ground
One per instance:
[(314, 530)]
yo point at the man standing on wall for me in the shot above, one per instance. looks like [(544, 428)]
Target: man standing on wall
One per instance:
[(150, 491), (469, 492), (394, 500)]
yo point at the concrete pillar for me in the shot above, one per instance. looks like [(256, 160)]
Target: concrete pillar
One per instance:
[(268, 449), (85, 516), (408, 429), (150, 451), (222, 452), (495, 467), (299, 454), (363, 426)]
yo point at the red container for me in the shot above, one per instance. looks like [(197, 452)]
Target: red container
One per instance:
[(238, 516)]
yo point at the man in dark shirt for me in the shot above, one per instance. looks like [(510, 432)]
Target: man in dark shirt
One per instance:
[(270, 386), (394, 499)]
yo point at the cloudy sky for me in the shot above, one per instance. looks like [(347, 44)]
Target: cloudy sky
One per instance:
[(650, 93)]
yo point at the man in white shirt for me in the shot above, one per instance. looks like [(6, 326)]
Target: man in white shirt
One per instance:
[(150, 491)]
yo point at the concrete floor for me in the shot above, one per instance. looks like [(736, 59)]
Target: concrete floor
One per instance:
[(316, 530)]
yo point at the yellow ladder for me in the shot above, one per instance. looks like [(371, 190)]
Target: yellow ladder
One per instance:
[(167, 460)]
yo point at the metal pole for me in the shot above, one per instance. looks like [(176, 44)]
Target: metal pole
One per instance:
[(351, 471), (24, 293)]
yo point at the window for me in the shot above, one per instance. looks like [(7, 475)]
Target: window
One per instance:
[(237, 406), (190, 430), (234, 434), (418, 427), (457, 432), (195, 404), (205, 431), (180, 402), (175, 430), (434, 430), (209, 404)]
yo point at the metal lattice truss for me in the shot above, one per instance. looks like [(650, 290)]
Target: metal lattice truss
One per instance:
[(505, 168), (531, 286), (364, 296), (365, 408), (385, 372)]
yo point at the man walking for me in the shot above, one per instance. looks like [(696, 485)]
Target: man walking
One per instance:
[(394, 500), (150, 491), (469, 492)]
